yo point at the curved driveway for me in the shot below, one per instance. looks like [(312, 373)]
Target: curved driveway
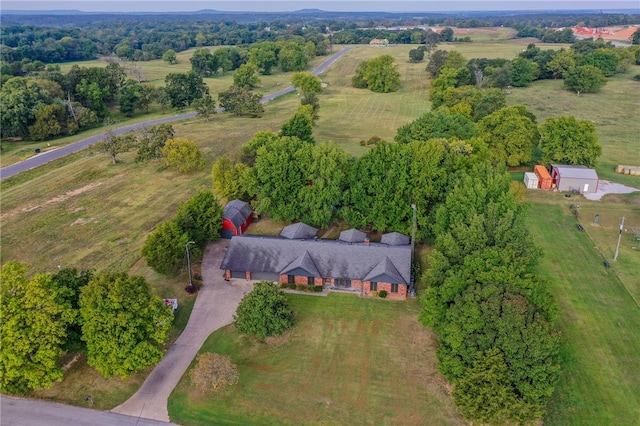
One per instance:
[(214, 308), (54, 154)]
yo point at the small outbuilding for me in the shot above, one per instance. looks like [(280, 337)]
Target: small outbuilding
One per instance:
[(531, 180), (236, 218), (544, 178), (580, 179)]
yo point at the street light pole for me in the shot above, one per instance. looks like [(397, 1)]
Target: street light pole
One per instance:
[(189, 264)]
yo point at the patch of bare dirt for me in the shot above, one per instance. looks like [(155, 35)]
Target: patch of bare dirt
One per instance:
[(54, 200)]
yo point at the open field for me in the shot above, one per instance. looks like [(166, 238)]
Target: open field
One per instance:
[(614, 111), (384, 359), (86, 213), (598, 316)]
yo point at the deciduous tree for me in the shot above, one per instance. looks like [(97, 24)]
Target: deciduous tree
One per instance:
[(183, 155), (241, 102), (585, 79), (33, 327), (511, 134), (201, 218), (307, 82), (124, 325), (378, 75), (436, 125), (245, 76), (264, 312), (228, 179), (567, 140)]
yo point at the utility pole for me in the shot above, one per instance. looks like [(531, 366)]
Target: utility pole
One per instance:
[(189, 263), (413, 244), (615, 256)]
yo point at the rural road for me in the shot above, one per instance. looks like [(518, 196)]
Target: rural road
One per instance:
[(29, 412), (54, 154)]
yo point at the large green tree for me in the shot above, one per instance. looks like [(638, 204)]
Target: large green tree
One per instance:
[(51, 121), (19, 100), (164, 248), (124, 325), (300, 125), (511, 134), (603, 59), (200, 217), (435, 125), (34, 318), (228, 179), (241, 102), (183, 88), (306, 82), (264, 312), (585, 79), (378, 75), (567, 140), (182, 155), (245, 76)]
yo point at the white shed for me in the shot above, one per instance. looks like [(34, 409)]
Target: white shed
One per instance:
[(531, 180)]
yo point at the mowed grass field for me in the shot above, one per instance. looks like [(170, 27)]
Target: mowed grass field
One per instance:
[(599, 313), (347, 360), (84, 212)]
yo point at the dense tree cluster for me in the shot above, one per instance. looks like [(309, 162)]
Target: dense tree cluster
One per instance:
[(198, 219), (378, 75), (112, 317), (493, 314)]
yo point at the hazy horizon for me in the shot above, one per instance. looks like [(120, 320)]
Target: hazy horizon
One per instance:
[(329, 6)]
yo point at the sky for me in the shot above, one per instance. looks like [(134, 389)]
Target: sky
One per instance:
[(327, 5)]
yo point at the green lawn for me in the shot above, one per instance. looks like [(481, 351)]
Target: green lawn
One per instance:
[(598, 317), (347, 361)]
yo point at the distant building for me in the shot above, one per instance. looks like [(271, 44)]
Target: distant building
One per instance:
[(380, 42), (579, 179)]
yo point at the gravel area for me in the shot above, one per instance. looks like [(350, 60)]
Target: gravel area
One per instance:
[(605, 187)]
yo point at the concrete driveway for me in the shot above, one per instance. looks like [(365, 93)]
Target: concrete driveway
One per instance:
[(214, 308)]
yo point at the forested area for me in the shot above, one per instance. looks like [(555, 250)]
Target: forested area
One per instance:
[(495, 317)]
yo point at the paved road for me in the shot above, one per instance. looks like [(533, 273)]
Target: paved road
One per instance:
[(54, 154), (214, 308), (28, 412)]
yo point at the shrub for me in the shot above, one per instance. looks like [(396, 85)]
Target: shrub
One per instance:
[(374, 294), (293, 286), (264, 311), (213, 372), (317, 289), (382, 293), (284, 285)]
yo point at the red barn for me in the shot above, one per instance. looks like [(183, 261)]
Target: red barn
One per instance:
[(236, 218)]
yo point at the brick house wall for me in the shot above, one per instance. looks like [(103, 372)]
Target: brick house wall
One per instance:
[(364, 287)]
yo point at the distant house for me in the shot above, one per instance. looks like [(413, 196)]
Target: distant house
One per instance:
[(379, 42), (579, 179), (236, 218), (351, 263)]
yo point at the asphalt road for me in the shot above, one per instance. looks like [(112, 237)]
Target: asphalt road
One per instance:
[(28, 412), (54, 154)]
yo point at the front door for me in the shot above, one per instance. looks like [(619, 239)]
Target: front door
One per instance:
[(343, 283)]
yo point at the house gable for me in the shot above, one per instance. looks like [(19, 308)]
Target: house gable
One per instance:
[(385, 271), (303, 266)]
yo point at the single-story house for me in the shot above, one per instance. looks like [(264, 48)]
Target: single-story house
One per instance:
[(574, 178), (236, 218), (362, 267)]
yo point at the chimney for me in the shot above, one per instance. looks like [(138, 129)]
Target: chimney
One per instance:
[(366, 241)]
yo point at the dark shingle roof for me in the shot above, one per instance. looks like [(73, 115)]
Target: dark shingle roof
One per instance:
[(236, 212), (385, 271), (352, 236), (331, 259), (298, 231), (304, 262), (395, 239)]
